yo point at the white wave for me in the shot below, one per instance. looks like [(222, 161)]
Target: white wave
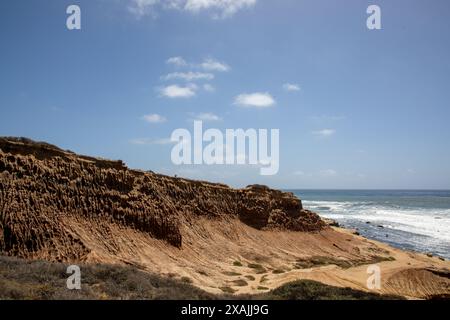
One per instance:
[(434, 223), (421, 222), (328, 205)]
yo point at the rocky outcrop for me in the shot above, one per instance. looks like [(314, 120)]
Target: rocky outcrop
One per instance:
[(41, 185)]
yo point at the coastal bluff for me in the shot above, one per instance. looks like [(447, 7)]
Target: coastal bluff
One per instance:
[(66, 208), (47, 194)]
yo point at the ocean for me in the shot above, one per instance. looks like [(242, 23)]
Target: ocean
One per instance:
[(417, 220)]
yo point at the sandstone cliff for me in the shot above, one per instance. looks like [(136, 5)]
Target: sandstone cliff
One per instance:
[(44, 189), (56, 205)]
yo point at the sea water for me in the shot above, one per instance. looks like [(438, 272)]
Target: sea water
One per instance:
[(408, 219)]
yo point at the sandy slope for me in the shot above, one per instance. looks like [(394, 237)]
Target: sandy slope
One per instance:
[(211, 249)]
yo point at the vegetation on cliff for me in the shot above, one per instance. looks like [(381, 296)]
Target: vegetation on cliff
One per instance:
[(37, 280)]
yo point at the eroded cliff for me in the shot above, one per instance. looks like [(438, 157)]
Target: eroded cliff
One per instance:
[(56, 205), (41, 186)]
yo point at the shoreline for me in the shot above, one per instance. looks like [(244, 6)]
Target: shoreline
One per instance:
[(410, 220), (356, 231), (415, 271)]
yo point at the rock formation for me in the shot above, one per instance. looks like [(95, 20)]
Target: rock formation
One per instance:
[(41, 184)]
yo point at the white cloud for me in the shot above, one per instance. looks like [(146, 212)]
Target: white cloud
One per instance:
[(214, 65), (328, 173), (154, 118), (207, 116), (217, 8), (177, 61), (148, 141), (324, 132), (291, 87), (257, 100), (222, 8), (142, 7), (189, 76), (299, 173), (175, 91), (209, 64), (208, 87)]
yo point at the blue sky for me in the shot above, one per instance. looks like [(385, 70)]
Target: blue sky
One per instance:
[(364, 108)]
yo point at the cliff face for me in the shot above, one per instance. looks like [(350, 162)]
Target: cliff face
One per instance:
[(42, 185), (59, 206)]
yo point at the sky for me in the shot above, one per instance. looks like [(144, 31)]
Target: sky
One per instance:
[(355, 108)]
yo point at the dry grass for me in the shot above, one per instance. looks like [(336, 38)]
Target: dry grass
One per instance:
[(231, 273), (278, 271), (227, 290), (240, 283), (313, 290), (39, 280), (317, 261)]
